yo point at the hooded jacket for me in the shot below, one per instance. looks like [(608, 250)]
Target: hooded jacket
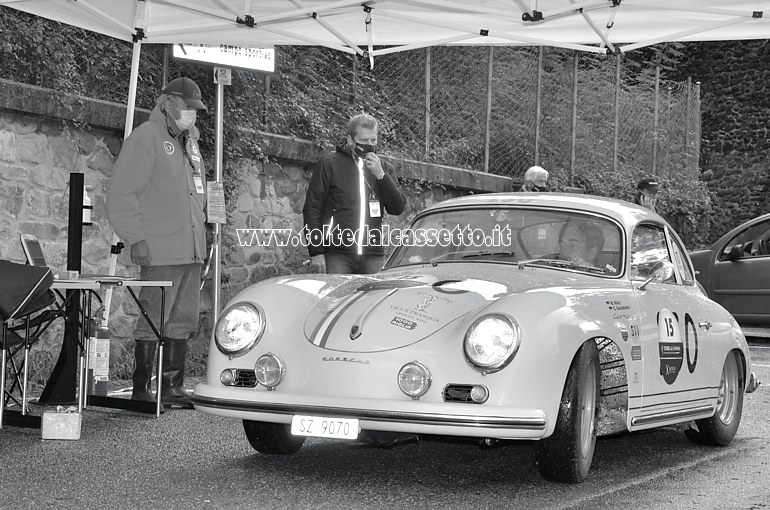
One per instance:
[(152, 195), (333, 205)]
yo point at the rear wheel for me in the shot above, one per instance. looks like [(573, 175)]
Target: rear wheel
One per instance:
[(720, 429), (272, 438), (566, 455)]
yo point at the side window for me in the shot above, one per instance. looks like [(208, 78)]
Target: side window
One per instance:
[(681, 262), (752, 242), (648, 247)]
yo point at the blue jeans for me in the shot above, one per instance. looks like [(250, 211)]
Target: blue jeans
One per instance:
[(182, 301), (352, 263)]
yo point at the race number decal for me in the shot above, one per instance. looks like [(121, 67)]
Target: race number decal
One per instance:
[(671, 348), (690, 342)]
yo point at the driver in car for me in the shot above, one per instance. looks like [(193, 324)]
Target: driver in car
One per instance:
[(581, 243)]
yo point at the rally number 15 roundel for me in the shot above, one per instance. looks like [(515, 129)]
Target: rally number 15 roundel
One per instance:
[(671, 349)]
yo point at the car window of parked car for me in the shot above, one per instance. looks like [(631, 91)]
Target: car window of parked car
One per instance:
[(681, 262), (752, 242), (648, 248)]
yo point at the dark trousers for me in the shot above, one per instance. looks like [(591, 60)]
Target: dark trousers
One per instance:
[(182, 301), (352, 263)]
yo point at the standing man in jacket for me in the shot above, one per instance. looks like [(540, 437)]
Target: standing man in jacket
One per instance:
[(349, 193), (155, 203)]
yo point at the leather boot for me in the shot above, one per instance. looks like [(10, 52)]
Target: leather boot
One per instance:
[(144, 357), (172, 390)]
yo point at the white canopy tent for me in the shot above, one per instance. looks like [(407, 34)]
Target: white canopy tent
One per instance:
[(377, 27), (357, 26)]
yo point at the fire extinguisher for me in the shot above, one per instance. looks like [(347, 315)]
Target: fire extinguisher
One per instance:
[(98, 357)]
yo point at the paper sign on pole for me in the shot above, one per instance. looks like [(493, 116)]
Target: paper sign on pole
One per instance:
[(215, 207)]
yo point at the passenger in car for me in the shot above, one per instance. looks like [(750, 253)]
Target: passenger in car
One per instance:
[(581, 243)]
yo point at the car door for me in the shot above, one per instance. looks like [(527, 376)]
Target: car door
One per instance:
[(740, 277), (672, 330)]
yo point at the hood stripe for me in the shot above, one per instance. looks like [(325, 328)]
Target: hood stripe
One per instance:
[(322, 332)]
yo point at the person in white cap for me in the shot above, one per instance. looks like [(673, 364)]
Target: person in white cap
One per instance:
[(535, 179), (155, 202)]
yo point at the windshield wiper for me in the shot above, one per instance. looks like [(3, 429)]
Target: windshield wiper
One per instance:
[(480, 253), (565, 264), (468, 255)]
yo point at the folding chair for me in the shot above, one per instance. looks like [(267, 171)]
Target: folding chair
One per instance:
[(25, 309)]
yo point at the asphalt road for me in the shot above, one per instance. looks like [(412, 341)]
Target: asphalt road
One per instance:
[(186, 459)]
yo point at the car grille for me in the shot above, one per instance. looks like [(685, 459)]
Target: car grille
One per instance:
[(458, 393), (244, 378)]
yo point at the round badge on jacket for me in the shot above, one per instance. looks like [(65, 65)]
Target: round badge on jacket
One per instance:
[(169, 147)]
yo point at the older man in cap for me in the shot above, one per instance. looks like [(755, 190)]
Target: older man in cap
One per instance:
[(155, 203), (535, 179), (647, 192)]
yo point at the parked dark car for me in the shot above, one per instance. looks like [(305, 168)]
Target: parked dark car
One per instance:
[(735, 271)]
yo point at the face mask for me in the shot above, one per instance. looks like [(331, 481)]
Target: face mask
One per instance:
[(186, 119), (362, 149)]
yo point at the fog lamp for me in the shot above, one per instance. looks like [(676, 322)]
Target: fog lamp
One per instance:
[(227, 376), (269, 370), (479, 394), (414, 379)]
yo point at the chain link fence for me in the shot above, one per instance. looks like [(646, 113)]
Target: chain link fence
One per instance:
[(586, 118)]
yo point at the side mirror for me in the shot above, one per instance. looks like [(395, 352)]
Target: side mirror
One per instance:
[(736, 252), (661, 272)]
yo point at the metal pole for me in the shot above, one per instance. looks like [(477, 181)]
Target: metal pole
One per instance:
[(667, 148), (697, 128), (655, 122), (489, 107), (218, 151), (427, 101), (574, 119), (538, 91), (687, 120), (617, 114)]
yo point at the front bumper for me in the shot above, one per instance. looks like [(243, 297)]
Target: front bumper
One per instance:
[(466, 420)]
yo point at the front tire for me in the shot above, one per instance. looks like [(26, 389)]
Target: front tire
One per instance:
[(567, 454), (272, 438), (720, 429)]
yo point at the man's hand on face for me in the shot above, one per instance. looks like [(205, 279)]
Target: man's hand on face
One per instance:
[(372, 162), (140, 254)]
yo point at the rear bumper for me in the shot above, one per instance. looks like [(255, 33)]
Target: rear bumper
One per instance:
[(468, 420)]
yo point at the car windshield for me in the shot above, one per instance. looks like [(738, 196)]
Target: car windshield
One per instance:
[(550, 238)]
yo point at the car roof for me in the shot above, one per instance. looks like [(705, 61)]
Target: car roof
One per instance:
[(624, 212)]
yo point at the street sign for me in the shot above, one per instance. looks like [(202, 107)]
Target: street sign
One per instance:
[(253, 59)]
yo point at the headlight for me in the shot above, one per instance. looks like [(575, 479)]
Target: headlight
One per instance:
[(414, 379), (491, 342), (270, 370), (239, 329)]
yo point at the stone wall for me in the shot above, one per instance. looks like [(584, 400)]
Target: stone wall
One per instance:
[(45, 136), (735, 148)]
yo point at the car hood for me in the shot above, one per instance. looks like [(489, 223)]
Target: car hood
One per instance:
[(393, 309)]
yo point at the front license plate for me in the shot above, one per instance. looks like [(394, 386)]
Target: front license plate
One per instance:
[(317, 426)]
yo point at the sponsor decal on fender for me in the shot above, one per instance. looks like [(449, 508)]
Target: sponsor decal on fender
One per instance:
[(403, 323), (670, 345)]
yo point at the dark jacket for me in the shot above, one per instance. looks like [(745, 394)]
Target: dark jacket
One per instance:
[(333, 205)]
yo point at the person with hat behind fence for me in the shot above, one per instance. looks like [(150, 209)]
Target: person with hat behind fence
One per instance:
[(535, 179), (155, 202), (647, 193)]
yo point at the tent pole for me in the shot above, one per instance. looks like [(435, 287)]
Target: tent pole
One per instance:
[(115, 248), (655, 122), (490, 62), (427, 101), (574, 118), (617, 114)]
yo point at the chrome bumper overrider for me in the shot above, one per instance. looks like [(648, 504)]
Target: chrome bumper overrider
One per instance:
[(389, 416)]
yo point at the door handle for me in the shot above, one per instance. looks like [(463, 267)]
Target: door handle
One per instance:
[(705, 324)]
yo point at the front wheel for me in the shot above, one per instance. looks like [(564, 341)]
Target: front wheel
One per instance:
[(720, 429), (272, 438), (566, 455)]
